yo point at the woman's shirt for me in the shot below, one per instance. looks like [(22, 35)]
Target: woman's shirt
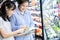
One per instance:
[(7, 28), (17, 19)]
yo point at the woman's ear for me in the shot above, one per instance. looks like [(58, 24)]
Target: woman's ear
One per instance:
[(6, 8)]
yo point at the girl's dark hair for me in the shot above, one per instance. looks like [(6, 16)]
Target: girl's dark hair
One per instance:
[(21, 1), (8, 4)]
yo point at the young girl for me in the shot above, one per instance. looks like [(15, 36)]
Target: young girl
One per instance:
[(7, 10)]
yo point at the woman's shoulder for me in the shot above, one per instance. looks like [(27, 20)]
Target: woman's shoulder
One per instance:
[(14, 13), (28, 12), (1, 22), (1, 19)]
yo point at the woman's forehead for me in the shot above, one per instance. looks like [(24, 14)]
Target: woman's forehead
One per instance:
[(26, 3)]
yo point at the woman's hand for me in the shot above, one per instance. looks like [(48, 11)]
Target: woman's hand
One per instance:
[(23, 29), (22, 34)]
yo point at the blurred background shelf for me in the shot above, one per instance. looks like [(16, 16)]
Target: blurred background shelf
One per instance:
[(51, 18)]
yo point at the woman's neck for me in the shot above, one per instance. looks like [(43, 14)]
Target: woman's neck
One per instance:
[(22, 12)]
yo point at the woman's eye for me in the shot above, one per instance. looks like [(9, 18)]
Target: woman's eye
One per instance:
[(23, 5)]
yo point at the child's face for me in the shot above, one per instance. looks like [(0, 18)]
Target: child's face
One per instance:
[(23, 6)]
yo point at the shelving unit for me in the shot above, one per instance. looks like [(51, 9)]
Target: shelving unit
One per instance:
[(35, 12), (51, 20)]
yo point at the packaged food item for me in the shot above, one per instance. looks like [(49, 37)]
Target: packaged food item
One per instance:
[(50, 32), (30, 30)]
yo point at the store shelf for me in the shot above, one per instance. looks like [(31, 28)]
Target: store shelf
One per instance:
[(35, 12), (51, 19)]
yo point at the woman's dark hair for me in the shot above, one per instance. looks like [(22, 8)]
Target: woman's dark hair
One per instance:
[(21, 1), (1, 1), (9, 5)]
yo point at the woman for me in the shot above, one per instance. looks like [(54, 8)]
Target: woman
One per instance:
[(22, 17), (7, 10)]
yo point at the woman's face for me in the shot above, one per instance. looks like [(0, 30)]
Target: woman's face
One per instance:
[(9, 12), (23, 6)]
